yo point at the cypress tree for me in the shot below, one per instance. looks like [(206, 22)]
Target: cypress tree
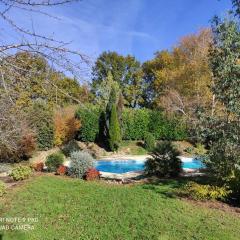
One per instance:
[(114, 130)]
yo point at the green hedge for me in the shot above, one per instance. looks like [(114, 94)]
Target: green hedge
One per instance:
[(89, 119), (136, 123), (167, 128)]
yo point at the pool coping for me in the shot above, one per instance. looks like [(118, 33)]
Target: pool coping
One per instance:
[(137, 174)]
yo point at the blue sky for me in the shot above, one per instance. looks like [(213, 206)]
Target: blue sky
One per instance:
[(137, 27)]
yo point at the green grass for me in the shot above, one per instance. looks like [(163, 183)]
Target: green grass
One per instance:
[(133, 148), (73, 209)]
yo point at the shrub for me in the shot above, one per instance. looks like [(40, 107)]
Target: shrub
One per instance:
[(178, 130), (27, 145), (65, 125), (135, 123), (89, 118), (189, 150), (80, 162), (164, 161), (70, 147), (41, 119), (203, 192), (92, 174), (62, 170), (166, 128), (149, 142), (38, 167), (114, 130), (158, 125), (54, 161), (200, 149), (21, 173), (2, 188)]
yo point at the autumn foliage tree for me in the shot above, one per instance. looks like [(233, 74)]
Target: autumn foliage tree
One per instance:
[(65, 125), (126, 72), (179, 80)]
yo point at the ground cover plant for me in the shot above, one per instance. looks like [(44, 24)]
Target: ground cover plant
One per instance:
[(20, 173), (88, 210)]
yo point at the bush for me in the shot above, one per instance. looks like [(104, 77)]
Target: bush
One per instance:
[(189, 150), (38, 167), (203, 192), (200, 149), (54, 161), (92, 174), (21, 173), (41, 119), (2, 188), (62, 170), (80, 162), (149, 142), (70, 147), (164, 161), (89, 118), (65, 125), (158, 125), (135, 123), (138, 122), (27, 145), (166, 128), (114, 130)]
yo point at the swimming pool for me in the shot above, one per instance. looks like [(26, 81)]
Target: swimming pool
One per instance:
[(123, 166)]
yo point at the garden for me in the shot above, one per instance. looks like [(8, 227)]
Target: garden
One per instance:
[(143, 150)]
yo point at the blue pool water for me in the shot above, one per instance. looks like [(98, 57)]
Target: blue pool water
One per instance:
[(123, 166)]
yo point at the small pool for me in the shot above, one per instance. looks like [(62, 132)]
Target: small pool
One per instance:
[(123, 166)]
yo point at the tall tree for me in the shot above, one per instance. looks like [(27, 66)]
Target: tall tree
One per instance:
[(103, 92), (126, 71), (35, 79), (178, 80), (224, 154), (114, 130)]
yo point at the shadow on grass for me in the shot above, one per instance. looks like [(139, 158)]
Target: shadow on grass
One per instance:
[(167, 187)]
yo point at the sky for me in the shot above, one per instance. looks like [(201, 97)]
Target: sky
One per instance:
[(136, 27)]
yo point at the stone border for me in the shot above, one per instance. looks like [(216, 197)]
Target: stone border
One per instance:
[(122, 176)]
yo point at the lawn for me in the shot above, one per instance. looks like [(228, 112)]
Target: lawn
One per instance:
[(73, 209), (133, 147)]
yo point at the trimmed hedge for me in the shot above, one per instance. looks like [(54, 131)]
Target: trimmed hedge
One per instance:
[(166, 128), (136, 123), (89, 118)]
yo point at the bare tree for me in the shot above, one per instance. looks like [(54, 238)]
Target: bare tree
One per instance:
[(56, 52), (172, 101)]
